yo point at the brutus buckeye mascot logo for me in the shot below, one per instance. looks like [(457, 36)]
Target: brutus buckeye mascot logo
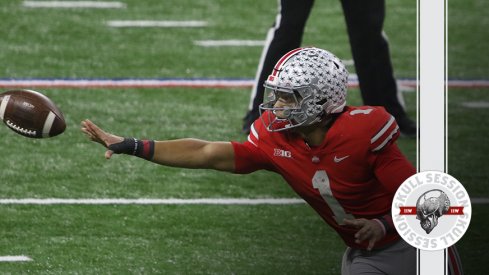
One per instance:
[(430, 206)]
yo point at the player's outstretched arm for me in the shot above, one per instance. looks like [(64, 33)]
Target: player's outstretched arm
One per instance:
[(185, 153)]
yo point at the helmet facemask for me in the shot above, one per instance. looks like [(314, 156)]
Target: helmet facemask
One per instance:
[(314, 82), (297, 108)]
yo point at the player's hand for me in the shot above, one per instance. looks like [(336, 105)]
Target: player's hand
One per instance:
[(369, 230), (96, 134)]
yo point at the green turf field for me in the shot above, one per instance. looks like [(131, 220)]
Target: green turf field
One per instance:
[(194, 239)]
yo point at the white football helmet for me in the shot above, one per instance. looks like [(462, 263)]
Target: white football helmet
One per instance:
[(315, 78)]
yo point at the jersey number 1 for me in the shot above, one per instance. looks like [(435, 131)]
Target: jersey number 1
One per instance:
[(320, 181)]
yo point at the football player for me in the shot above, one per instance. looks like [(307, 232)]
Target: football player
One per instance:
[(342, 160)]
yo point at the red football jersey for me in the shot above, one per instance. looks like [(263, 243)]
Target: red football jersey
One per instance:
[(354, 173)]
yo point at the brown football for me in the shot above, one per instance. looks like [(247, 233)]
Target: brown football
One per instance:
[(31, 114)]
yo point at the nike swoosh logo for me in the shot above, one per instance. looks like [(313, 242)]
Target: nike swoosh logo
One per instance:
[(337, 159)]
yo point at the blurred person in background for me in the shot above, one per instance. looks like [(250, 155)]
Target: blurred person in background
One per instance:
[(369, 46)]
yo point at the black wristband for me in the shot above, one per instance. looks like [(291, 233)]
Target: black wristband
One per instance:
[(131, 146), (127, 146), (388, 227), (145, 149)]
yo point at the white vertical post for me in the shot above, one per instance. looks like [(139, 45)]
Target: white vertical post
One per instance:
[(431, 107)]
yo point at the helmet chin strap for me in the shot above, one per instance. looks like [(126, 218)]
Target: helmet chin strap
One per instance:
[(325, 119)]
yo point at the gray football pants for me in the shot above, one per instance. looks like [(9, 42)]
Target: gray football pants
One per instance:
[(396, 259)]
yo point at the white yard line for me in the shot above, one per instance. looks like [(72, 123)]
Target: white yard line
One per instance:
[(479, 200), (153, 24), (15, 259), (476, 104), (74, 4), (348, 62), (405, 84), (127, 83), (229, 43), (170, 201)]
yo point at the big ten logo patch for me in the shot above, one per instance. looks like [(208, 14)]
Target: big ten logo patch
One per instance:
[(282, 153)]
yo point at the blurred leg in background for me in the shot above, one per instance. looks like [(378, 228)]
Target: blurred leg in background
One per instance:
[(370, 51)]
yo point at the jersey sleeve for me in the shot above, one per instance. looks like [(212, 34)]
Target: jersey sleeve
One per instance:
[(385, 130), (392, 168), (248, 155)]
